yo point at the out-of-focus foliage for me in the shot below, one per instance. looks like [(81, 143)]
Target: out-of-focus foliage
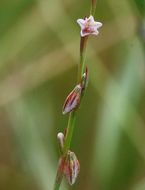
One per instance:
[(39, 53)]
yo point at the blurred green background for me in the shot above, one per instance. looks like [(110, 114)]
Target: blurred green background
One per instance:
[(39, 53)]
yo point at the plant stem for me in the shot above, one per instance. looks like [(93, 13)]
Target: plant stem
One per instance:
[(58, 180), (59, 174), (72, 115), (70, 129), (83, 43), (93, 7)]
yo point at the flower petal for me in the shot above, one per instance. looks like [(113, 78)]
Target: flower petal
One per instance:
[(91, 18), (98, 24), (95, 33), (83, 34), (81, 22)]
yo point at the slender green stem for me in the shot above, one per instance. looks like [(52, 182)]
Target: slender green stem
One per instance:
[(58, 180), (93, 7), (72, 115), (59, 174), (57, 183), (83, 43), (70, 129)]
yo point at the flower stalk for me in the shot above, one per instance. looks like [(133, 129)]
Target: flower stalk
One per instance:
[(83, 44), (68, 164), (93, 7)]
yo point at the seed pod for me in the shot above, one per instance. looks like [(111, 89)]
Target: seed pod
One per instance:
[(73, 100), (71, 168)]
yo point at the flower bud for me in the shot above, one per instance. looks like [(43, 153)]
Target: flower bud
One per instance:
[(73, 100), (71, 168), (60, 137)]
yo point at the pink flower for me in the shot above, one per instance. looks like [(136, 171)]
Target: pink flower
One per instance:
[(89, 26)]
